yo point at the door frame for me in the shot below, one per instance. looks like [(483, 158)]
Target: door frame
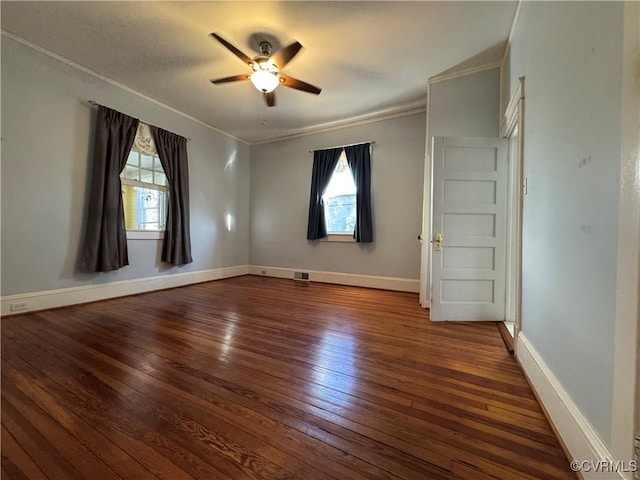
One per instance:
[(513, 121), (425, 236)]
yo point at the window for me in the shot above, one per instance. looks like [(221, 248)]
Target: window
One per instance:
[(144, 192), (340, 200)]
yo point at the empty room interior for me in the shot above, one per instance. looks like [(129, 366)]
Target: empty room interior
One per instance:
[(320, 240)]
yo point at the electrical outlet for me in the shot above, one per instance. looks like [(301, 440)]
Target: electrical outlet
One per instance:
[(18, 307)]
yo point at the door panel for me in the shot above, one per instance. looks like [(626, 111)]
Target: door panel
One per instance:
[(469, 211), (478, 224), (469, 257)]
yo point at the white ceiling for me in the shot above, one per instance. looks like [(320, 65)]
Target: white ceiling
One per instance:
[(369, 58)]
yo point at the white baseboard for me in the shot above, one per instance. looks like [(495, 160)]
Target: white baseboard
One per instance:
[(577, 434), (33, 301), (351, 279)]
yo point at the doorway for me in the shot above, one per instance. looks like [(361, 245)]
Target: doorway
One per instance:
[(513, 130), (433, 296)]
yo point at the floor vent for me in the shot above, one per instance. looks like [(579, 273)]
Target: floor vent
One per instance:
[(301, 276)]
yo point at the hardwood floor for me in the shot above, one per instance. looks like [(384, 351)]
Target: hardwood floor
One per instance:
[(259, 378)]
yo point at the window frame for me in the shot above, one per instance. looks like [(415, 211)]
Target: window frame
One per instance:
[(338, 237), (141, 234)]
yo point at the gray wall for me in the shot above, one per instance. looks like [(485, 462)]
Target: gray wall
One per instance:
[(46, 140), (571, 56), (466, 106), (280, 184)]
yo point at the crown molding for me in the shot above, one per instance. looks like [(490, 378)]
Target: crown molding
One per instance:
[(465, 72), (387, 114), (514, 23)]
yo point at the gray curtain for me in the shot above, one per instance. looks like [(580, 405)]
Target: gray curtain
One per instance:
[(324, 163), (105, 242), (359, 160), (172, 150)]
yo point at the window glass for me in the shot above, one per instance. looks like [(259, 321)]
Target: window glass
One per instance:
[(133, 158), (340, 200), (159, 178), (146, 176), (146, 161), (131, 172)]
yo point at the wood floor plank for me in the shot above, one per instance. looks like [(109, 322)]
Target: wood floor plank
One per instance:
[(266, 379), (83, 459), (44, 454), (16, 463)]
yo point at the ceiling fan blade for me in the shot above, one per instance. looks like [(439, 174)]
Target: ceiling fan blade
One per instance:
[(235, 78), (291, 82), (233, 49), (270, 99), (284, 55)]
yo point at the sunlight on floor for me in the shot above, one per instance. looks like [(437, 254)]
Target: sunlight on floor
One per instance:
[(335, 363)]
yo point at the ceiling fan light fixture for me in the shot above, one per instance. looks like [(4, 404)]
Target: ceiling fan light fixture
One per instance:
[(265, 77), (264, 81)]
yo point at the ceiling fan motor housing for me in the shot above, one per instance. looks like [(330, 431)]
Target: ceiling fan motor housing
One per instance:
[(265, 48)]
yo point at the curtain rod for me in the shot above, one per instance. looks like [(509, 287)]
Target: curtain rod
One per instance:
[(93, 103), (371, 142)]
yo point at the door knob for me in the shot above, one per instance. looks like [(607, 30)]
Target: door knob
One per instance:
[(437, 242)]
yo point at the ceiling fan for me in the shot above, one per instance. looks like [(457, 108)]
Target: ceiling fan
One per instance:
[(266, 70)]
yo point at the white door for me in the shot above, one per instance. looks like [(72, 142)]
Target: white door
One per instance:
[(469, 212)]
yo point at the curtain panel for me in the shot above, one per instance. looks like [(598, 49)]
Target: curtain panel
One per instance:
[(324, 163), (359, 160), (172, 150), (105, 242)]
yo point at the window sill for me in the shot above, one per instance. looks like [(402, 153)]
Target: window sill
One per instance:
[(339, 237), (145, 235)]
